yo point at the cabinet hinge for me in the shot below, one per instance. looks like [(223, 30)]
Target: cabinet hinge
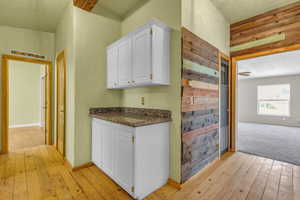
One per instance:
[(133, 139), (132, 189)]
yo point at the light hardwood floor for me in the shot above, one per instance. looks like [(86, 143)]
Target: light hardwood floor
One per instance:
[(40, 173), (25, 137)]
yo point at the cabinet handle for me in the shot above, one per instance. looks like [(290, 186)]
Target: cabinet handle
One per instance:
[(133, 81), (128, 81)]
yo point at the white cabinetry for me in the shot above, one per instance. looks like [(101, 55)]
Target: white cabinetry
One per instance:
[(135, 158), (141, 58)]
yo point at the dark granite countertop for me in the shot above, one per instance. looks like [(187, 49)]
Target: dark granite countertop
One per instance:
[(134, 117)]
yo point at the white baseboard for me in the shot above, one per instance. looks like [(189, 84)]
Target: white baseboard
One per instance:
[(24, 125)]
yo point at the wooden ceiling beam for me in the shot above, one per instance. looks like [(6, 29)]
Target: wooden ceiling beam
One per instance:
[(87, 5)]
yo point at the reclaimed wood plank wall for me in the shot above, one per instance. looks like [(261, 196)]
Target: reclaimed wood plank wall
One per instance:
[(200, 104), (284, 21)]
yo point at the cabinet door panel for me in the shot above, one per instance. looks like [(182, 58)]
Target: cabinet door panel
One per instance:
[(112, 67), (108, 149), (124, 159), (125, 62), (142, 59), (97, 144)]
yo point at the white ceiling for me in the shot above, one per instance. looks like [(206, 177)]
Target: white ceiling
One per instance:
[(282, 64), (42, 15), (237, 10), (117, 9)]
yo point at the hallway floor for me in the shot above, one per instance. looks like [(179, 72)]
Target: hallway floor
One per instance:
[(25, 137), (40, 173), (271, 141)]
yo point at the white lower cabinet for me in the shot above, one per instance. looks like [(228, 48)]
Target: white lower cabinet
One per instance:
[(135, 158)]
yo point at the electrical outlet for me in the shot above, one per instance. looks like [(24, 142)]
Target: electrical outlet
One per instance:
[(143, 100)]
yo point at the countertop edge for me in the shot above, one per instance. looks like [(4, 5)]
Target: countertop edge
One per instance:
[(162, 120)]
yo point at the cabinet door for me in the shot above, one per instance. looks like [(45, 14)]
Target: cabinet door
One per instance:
[(124, 159), (112, 67), (125, 62), (96, 143), (142, 57), (108, 149)]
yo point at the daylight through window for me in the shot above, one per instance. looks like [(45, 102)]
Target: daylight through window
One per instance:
[(273, 100)]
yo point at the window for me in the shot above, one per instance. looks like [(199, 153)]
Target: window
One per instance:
[(273, 100)]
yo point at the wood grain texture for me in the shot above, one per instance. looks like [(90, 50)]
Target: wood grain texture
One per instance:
[(200, 104), (284, 20), (87, 5), (26, 137), (39, 173)]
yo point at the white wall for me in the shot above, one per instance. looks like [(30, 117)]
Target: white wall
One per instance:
[(24, 93), (205, 20), (64, 41), (92, 34), (247, 100)]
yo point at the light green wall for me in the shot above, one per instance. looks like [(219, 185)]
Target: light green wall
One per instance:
[(162, 97), (24, 93), (65, 42), (92, 34), (25, 40), (205, 20)]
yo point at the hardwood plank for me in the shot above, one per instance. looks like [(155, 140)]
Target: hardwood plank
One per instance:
[(88, 189), (226, 161), (38, 174), (7, 179), (243, 189), (285, 190), (258, 187), (271, 189), (234, 183), (214, 183), (20, 186)]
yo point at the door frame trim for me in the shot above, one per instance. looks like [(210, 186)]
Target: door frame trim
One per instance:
[(5, 98), (233, 93), (223, 55), (61, 55)]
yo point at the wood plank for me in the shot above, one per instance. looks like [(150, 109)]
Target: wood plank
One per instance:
[(264, 17), (20, 185), (188, 91), (285, 20), (272, 187), (190, 75), (214, 183), (286, 189), (233, 184), (86, 5), (7, 180), (235, 176), (258, 187), (87, 188)]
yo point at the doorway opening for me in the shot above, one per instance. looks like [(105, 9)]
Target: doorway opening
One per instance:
[(224, 62), (266, 114), (26, 103)]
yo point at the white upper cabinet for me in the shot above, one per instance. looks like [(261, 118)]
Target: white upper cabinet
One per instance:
[(141, 58), (112, 78), (124, 59)]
